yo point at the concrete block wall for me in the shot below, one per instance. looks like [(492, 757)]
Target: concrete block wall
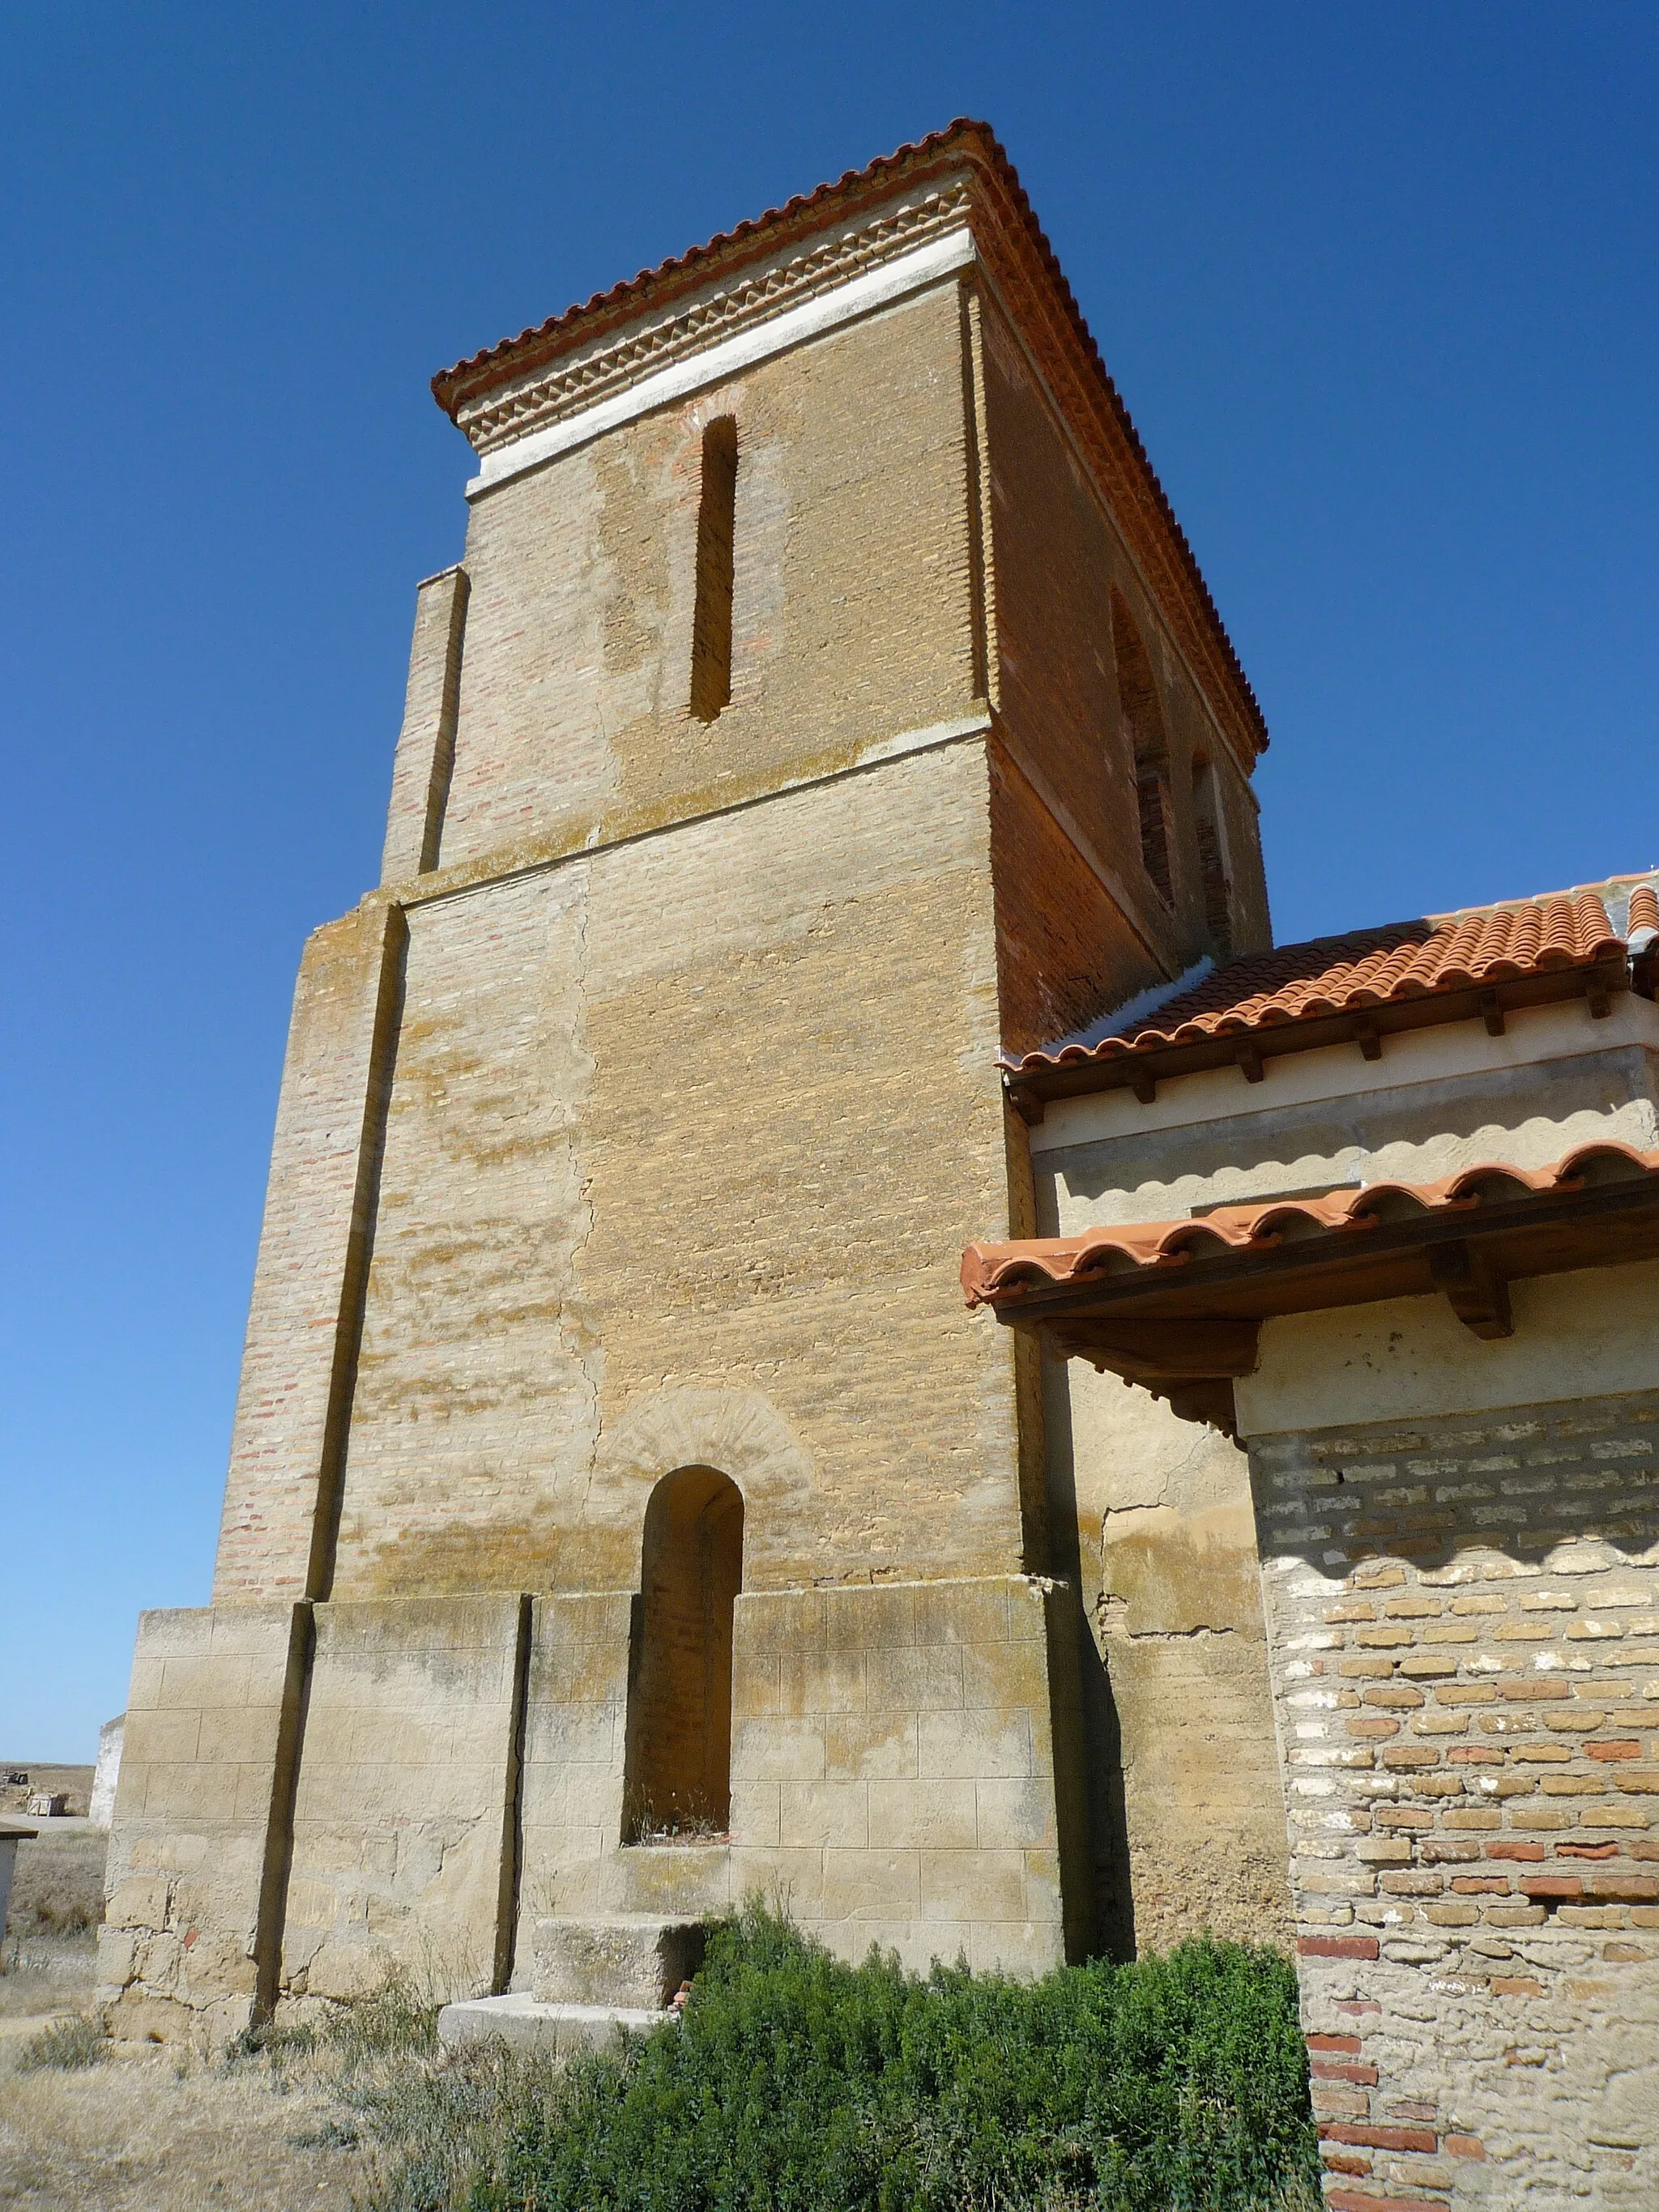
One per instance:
[(188, 1947), (1464, 1620)]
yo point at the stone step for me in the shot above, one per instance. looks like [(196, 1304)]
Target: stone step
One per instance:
[(527, 2024), (631, 1959)]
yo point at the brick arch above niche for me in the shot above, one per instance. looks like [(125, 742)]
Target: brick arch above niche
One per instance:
[(740, 1433)]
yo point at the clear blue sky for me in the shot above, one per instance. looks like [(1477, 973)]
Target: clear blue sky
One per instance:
[(1377, 282)]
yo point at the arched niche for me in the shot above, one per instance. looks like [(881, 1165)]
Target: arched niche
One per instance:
[(678, 1770)]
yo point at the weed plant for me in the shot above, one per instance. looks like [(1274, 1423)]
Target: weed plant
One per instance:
[(795, 2083), (67, 2045)]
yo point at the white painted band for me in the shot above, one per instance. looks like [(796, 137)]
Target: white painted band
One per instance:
[(862, 296)]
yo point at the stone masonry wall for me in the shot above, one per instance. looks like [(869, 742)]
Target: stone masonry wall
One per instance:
[(403, 1817), (893, 1771), (1464, 1619), (188, 1946)]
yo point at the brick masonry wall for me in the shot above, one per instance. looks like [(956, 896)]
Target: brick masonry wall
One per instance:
[(294, 1395), (1064, 947), (713, 1114), (1464, 1619), (425, 745), (852, 612), (645, 1129), (1057, 558)]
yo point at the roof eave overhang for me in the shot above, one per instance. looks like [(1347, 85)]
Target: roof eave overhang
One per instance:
[(1186, 1330), (1140, 1070)]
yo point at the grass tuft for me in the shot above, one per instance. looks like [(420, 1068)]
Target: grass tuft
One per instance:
[(67, 2045)]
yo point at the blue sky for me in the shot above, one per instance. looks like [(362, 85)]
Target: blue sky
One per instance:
[(1377, 282)]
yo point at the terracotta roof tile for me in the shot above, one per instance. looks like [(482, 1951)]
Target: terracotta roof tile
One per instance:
[(998, 1274), (1366, 968)]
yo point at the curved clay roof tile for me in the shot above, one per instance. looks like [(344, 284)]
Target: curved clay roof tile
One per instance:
[(996, 1272), (1371, 967)]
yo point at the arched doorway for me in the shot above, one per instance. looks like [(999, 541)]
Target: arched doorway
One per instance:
[(679, 1775)]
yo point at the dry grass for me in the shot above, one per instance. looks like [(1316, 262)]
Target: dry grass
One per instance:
[(158, 2133), (75, 1781), (57, 1886), (44, 1975), (150, 2131)]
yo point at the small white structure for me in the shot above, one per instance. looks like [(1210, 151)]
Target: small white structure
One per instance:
[(12, 1833), (100, 1810)]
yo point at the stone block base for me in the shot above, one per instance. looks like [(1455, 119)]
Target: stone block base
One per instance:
[(631, 1961), (527, 2024)]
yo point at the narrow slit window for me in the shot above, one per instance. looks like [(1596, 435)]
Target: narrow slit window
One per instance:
[(1148, 748), (711, 620), (1212, 859), (1153, 798)]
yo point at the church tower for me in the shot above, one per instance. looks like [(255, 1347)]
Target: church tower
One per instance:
[(624, 1513)]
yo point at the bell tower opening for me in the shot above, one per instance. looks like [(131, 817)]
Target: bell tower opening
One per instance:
[(678, 1771)]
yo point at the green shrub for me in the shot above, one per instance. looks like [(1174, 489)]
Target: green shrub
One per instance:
[(67, 2045), (795, 2083)]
